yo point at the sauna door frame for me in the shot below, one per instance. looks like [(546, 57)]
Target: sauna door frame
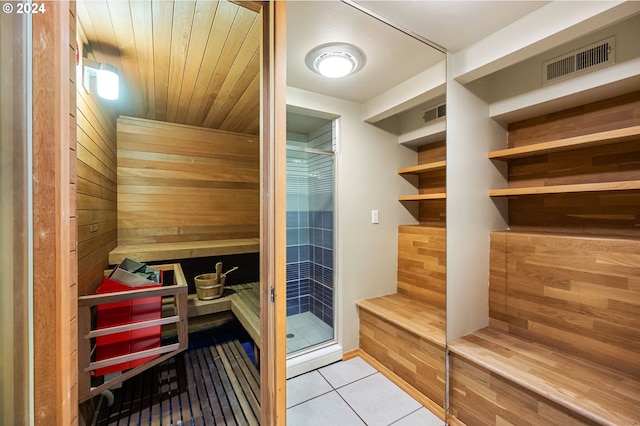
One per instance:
[(56, 396)]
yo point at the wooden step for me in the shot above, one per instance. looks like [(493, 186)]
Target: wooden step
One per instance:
[(496, 375), (408, 338), (405, 312)]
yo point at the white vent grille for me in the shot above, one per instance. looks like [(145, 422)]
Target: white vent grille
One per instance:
[(434, 113), (588, 58)]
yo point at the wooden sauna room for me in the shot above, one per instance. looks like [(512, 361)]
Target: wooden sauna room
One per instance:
[(465, 206)]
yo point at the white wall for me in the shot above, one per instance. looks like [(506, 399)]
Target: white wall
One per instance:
[(367, 162), (471, 213)]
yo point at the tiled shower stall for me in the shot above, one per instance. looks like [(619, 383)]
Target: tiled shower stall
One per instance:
[(310, 223)]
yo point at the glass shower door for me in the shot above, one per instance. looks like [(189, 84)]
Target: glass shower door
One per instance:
[(310, 239)]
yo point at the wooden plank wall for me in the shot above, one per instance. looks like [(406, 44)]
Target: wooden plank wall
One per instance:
[(579, 294), (482, 397), (422, 264), (184, 183), (418, 361), (432, 212), (97, 186), (602, 213)]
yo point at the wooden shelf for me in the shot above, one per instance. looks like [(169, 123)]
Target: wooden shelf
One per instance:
[(560, 189), (422, 197), (594, 139), (422, 168)]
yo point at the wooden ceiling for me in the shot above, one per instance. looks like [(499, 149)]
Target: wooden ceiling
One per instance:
[(187, 62)]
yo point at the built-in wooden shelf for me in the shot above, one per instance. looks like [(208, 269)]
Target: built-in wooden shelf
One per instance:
[(568, 144), (561, 189), (422, 168), (422, 197)]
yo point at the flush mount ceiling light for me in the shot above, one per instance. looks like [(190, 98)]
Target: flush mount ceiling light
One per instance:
[(335, 60)]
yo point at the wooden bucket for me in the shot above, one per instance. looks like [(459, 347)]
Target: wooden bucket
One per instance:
[(207, 286)]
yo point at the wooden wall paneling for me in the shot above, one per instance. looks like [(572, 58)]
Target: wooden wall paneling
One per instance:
[(181, 183), (609, 114), (609, 163), (422, 264), (432, 152), (96, 187), (432, 213), (599, 213), (416, 360), (579, 294), (479, 396)]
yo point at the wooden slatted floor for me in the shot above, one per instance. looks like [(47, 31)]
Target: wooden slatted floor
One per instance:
[(209, 385)]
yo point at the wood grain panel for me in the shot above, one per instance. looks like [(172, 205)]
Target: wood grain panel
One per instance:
[(96, 187), (609, 114), (179, 183), (609, 163), (432, 212), (422, 264), (577, 294), (187, 62), (481, 397), (416, 360)]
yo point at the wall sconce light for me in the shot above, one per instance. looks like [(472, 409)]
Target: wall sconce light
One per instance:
[(335, 60), (107, 79)]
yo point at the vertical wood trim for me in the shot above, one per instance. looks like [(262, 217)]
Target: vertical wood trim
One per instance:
[(273, 208), (280, 207), (54, 206)]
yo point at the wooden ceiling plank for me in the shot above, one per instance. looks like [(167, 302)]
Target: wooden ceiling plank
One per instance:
[(223, 21), (245, 67), (202, 24), (240, 114), (162, 21), (240, 29), (143, 33), (132, 98), (183, 12), (227, 99)]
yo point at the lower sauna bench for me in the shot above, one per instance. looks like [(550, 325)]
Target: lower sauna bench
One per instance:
[(499, 379), (408, 338), (241, 300)]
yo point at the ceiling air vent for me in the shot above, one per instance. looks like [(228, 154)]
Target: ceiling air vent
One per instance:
[(435, 112), (586, 59)]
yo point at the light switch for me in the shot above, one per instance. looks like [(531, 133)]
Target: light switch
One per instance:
[(374, 216)]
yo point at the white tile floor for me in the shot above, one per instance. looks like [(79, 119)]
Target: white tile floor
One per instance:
[(307, 330), (352, 393)]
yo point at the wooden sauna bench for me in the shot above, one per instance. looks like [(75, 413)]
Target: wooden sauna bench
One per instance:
[(562, 346), (243, 300), (183, 250)]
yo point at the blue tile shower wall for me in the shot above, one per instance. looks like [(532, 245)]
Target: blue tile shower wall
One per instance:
[(310, 254)]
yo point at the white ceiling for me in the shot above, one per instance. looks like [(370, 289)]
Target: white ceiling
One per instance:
[(452, 24), (392, 56)]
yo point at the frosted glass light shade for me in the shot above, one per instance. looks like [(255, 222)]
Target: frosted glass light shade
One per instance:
[(107, 83), (335, 60), (336, 64)]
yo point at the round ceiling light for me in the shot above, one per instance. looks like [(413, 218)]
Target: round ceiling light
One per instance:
[(335, 60)]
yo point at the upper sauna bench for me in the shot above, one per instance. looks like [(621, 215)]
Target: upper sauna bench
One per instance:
[(183, 250)]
